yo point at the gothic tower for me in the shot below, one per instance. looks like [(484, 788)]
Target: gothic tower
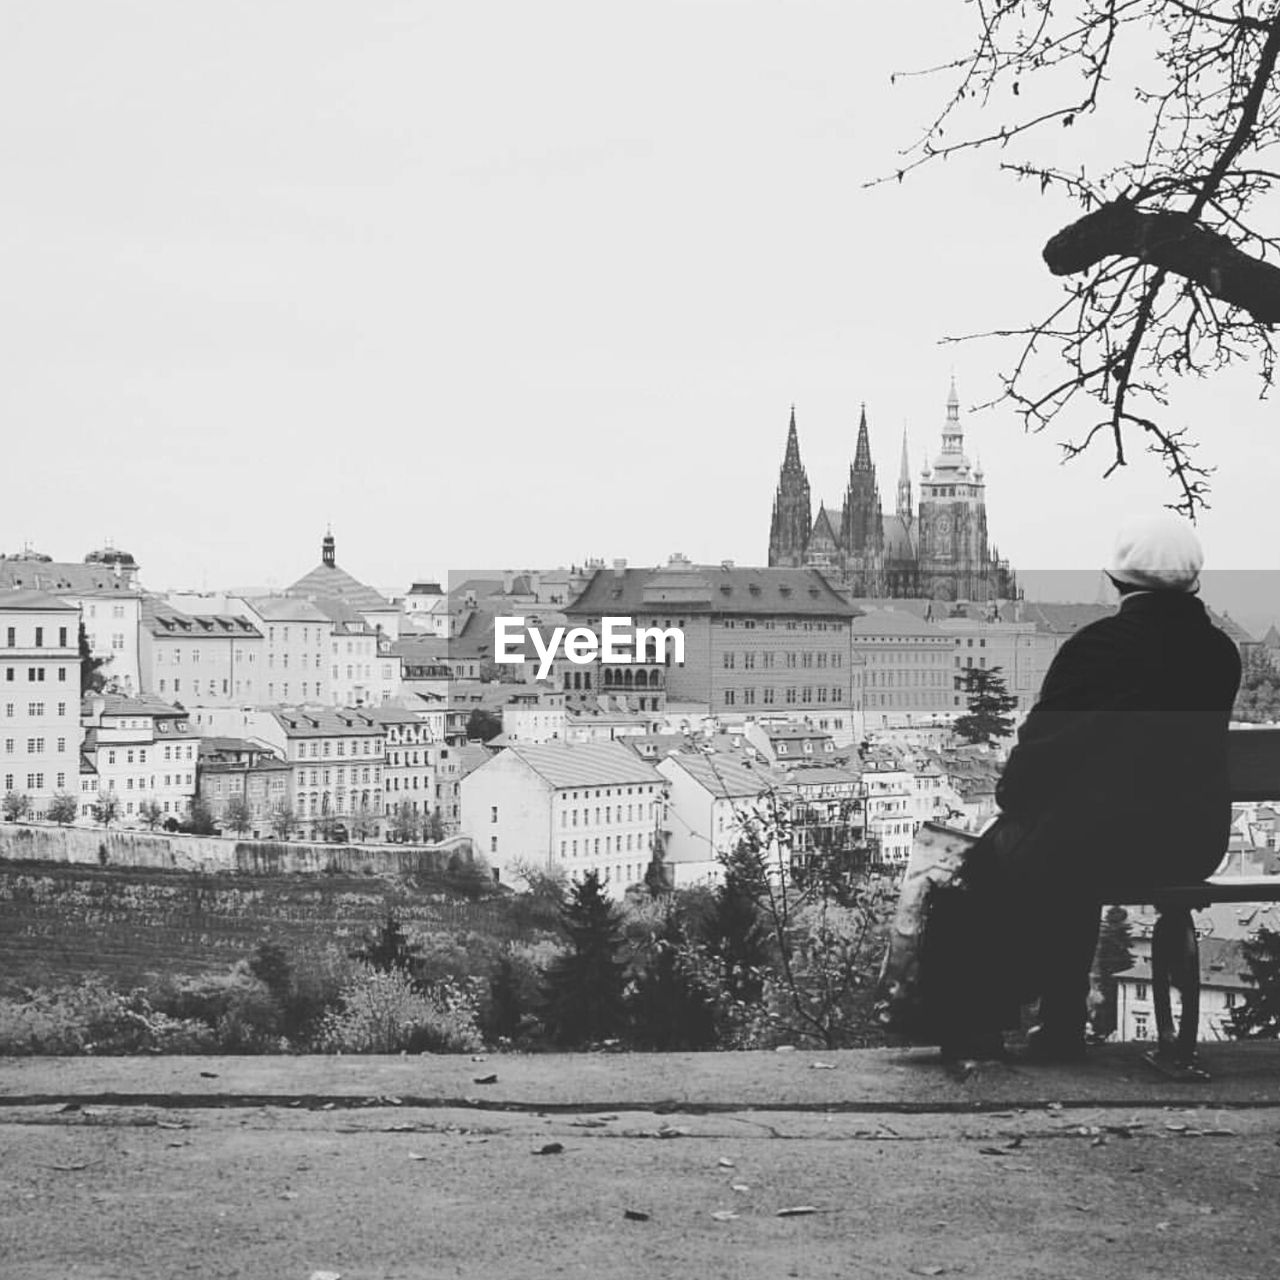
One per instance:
[(862, 526), (789, 528), (905, 511), (955, 560)]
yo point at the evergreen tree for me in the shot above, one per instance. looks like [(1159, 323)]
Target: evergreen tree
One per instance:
[(671, 1010), (736, 932), (989, 702), (1259, 1017), (657, 879), (91, 678), (584, 988), (483, 725), (1114, 956)]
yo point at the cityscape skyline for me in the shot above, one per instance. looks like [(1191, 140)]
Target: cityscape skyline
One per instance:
[(295, 270)]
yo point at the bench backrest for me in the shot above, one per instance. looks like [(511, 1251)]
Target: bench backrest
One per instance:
[(1254, 763)]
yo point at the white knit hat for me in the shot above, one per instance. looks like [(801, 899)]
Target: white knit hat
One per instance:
[(1158, 552)]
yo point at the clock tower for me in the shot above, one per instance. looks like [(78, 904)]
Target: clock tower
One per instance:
[(955, 560)]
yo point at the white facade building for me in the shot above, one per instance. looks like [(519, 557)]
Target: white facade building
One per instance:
[(296, 651), (142, 751), (590, 807), (709, 798), (39, 697)]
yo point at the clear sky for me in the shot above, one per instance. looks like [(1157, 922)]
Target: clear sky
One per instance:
[(511, 284)]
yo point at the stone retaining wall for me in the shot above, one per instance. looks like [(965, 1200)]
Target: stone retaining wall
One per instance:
[(38, 842)]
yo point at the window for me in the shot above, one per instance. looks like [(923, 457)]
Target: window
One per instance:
[(39, 637), (493, 813)]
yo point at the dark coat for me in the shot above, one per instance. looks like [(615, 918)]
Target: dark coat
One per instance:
[(1121, 765)]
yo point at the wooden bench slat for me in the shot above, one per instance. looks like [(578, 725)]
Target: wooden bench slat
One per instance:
[(1215, 889)]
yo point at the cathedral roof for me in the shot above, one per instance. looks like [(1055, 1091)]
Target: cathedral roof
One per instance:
[(823, 527), (899, 544)]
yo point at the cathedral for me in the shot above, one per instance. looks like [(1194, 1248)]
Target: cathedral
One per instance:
[(938, 551)]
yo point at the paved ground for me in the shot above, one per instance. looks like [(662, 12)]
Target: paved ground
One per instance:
[(666, 1165)]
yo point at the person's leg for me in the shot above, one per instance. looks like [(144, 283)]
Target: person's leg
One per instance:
[(1067, 943)]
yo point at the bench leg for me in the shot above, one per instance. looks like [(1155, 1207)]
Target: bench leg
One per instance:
[(1175, 962)]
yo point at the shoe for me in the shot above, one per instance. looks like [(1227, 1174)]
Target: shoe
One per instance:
[(981, 1046), (1048, 1044)]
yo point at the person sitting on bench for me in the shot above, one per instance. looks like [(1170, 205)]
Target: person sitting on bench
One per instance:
[(1119, 774)]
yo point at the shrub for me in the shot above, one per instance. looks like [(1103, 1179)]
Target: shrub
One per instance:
[(90, 1017), (383, 1012)]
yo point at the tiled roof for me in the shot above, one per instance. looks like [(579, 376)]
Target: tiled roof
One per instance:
[(420, 649), (1063, 619), (1222, 964), (389, 713), (165, 621), (286, 609), (822, 775), (709, 590), (1233, 629), (883, 622), (347, 620), (792, 730), (325, 722), (67, 578), (33, 602), (481, 586), (653, 746), (119, 704), (214, 744), (325, 582), (729, 777), (471, 756), (588, 764)]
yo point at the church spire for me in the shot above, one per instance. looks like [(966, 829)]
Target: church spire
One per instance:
[(904, 483), (328, 554), (791, 462), (862, 454), (952, 455), (791, 523)]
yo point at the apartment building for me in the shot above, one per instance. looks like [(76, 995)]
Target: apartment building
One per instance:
[(39, 697), (143, 752), (589, 807)]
